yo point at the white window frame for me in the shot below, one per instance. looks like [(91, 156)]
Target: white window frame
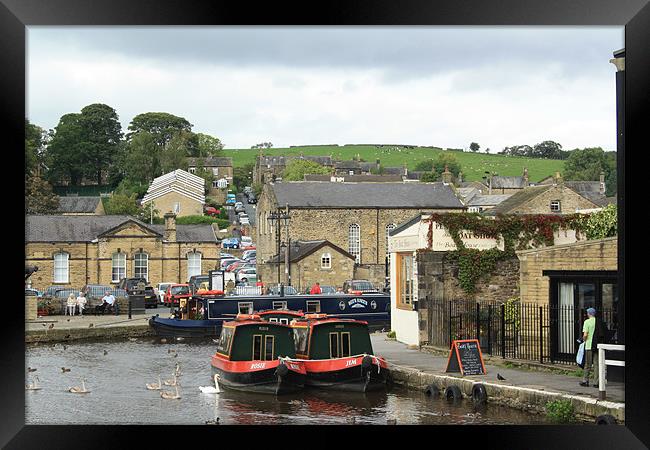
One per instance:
[(326, 261), (354, 241), (63, 272), (192, 170), (247, 305), (278, 304), (192, 265), (177, 207), (136, 266), (559, 206), (121, 270)]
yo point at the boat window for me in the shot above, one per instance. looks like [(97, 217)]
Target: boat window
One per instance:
[(245, 307), (334, 345), (224, 340), (313, 306), (284, 321), (300, 337), (268, 348), (345, 344), (273, 319), (257, 347), (279, 305)]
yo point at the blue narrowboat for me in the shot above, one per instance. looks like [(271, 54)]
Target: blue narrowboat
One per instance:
[(203, 315)]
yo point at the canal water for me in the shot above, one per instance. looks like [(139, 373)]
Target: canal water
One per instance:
[(115, 373)]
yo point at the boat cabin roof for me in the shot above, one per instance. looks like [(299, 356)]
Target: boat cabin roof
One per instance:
[(252, 339)]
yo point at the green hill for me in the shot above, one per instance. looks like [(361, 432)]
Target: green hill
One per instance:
[(473, 164)]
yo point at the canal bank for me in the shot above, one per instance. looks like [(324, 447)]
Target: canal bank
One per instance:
[(527, 390), (53, 329)]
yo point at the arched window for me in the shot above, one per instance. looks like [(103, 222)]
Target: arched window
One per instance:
[(61, 267), (326, 261), (141, 266), (354, 241), (193, 264), (118, 267)]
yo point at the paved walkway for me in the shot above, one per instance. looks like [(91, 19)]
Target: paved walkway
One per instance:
[(398, 354)]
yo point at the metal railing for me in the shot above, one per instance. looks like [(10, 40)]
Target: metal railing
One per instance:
[(512, 330)]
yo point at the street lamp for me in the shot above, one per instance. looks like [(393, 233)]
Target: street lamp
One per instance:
[(279, 218)]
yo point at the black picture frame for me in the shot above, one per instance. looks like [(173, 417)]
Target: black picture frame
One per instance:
[(634, 14)]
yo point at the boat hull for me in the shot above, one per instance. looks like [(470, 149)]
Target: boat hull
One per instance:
[(265, 381), (326, 374), (185, 328)]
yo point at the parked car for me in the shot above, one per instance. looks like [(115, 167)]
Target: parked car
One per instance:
[(230, 243), (225, 255), (50, 291), (225, 262), (247, 274), (162, 290), (252, 261), (234, 265), (231, 199), (248, 254), (247, 190), (175, 292), (239, 207), (211, 211), (196, 281), (288, 290), (327, 289), (32, 292), (364, 286), (246, 242), (251, 198), (130, 285), (244, 220)]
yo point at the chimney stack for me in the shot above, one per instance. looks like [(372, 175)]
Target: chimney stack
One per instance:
[(460, 177), (558, 178), (602, 183), (377, 165), (446, 175), (526, 183), (170, 227)]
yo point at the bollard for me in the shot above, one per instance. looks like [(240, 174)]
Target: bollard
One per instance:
[(129, 307)]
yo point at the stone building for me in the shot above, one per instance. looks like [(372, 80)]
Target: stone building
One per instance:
[(311, 262), (368, 178), (478, 202), (507, 185), (591, 190), (353, 216), (72, 251), (268, 168), (422, 274), (74, 205), (220, 167), (179, 192), (547, 199)]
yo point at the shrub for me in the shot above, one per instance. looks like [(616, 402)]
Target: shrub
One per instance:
[(391, 334), (197, 220), (560, 411)]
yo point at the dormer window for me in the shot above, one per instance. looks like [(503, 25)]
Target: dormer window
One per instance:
[(555, 206)]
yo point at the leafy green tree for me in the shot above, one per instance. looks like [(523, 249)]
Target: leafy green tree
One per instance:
[(35, 138), (204, 173), (65, 154), (141, 159), (517, 150), (130, 187), (208, 145), (587, 163), (429, 177), (102, 133), (122, 204), (603, 223), (298, 168), (175, 153), (149, 214), (426, 165), (39, 197), (163, 126), (474, 147), (243, 176), (547, 150)]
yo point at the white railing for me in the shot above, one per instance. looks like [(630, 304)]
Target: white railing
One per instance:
[(248, 290), (602, 366)]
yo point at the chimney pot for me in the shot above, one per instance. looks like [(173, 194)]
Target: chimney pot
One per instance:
[(170, 227)]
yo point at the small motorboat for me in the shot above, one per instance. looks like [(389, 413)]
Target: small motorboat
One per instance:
[(338, 354), (254, 356)]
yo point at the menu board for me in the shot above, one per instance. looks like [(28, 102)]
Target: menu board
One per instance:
[(465, 357), (216, 280)]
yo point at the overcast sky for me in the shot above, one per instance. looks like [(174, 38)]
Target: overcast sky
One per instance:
[(444, 86)]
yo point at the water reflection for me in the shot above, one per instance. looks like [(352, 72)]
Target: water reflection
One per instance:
[(117, 380)]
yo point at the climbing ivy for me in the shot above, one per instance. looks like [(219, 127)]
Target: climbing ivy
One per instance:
[(516, 233)]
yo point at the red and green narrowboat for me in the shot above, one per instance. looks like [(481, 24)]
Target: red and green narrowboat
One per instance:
[(338, 354), (252, 355)]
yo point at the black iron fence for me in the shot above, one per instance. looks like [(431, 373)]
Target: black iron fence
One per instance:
[(513, 330)]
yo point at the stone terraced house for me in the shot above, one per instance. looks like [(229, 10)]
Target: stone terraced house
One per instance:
[(71, 251), (355, 217), (179, 192)]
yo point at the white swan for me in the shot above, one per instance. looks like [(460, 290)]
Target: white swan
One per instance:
[(170, 395), (33, 386), (177, 369), (79, 390), (171, 382), (154, 386), (210, 389)]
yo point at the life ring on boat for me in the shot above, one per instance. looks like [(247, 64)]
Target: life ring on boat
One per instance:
[(453, 393), (282, 370), (605, 419), (432, 391), (479, 394), (366, 362)]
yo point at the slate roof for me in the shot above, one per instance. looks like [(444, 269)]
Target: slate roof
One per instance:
[(474, 184), (499, 182), (487, 200), (300, 249), (348, 164), (78, 204), (394, 170), (211, 161), (88, 228), (315, 194), (517, 199), (355, 178)]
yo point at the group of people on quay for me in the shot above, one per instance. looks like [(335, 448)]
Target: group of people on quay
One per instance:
[(78, 304)]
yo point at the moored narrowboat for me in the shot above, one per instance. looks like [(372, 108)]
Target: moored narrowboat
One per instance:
[(253, 355), (338, 354), (284, 316)]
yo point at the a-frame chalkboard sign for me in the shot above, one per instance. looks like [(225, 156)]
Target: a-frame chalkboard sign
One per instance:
[(465, 357)]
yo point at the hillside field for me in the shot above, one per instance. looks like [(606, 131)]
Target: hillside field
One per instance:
[(473, 164)]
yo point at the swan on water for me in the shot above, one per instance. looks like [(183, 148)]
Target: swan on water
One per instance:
[(79, 390), (154, 386), (171, 382), (210, 389), (170, 395), (33, 386)]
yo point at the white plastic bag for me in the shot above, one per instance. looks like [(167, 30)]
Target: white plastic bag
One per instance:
[(580, 356)]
